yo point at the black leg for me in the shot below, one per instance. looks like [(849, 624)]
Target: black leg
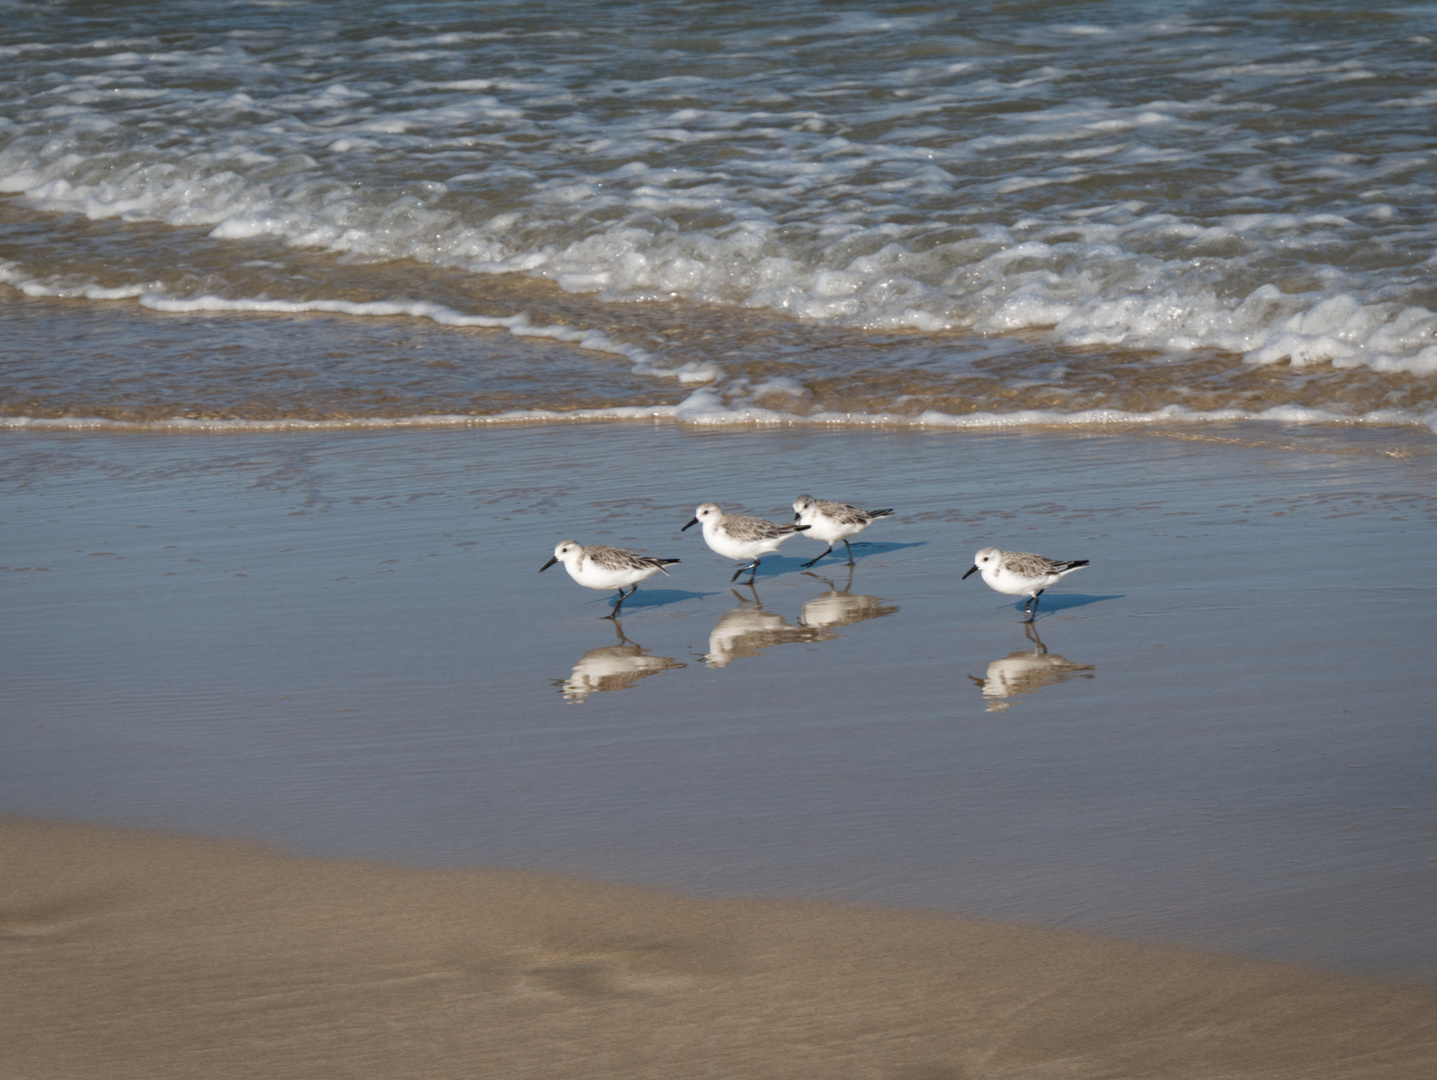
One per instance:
[(614, 611), (751, 566), (850, 552), (754, 568), (812, 561)]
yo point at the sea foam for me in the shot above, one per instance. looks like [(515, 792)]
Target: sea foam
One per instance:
[(1156, 185), (705, 409)]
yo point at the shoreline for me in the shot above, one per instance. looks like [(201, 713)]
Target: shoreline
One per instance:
[(136, 954), (711, 414)]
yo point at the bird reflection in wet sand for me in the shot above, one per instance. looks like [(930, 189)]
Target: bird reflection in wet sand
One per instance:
[(1024, 672), (839, 607), (747, 630), (612, 667)]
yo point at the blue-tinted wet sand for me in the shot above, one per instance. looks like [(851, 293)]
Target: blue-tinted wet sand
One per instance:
[(1219, 733)]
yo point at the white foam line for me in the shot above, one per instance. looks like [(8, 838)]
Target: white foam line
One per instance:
[(1170, 414), (701, 416), (184, 424), (421, 309)]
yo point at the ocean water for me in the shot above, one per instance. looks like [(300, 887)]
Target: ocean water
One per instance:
[(270, 214)]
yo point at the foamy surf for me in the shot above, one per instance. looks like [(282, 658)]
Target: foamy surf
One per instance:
[(1109, 277), (1150, 183), (940, 219), (704, 409)]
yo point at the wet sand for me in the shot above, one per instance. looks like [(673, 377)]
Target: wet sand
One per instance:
[(1217, 735), (129, 954)]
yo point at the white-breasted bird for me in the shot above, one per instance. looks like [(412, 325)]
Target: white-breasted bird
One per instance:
[(600, 567), (1021, 573), (833, 521), (738, 536)]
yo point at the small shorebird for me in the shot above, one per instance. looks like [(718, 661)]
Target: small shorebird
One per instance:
[(832, 522), (1021, 573), (737, 536), (604, 568)]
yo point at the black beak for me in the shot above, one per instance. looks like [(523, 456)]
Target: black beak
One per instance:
[(796, 516), (971, 569), (695, 521), (548, 564)]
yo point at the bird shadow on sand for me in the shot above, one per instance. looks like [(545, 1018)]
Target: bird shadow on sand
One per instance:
[(1064, 601), (862, 549), (772, 566), (655, 598)]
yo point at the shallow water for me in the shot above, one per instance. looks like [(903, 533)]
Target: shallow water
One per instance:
[(1218, 733)]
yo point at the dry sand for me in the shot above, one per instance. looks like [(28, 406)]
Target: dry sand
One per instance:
[(130, 954)]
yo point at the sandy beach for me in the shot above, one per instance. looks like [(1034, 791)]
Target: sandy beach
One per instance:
[(129, 954)]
